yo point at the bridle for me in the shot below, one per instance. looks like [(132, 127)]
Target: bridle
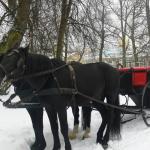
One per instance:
[(10, 75)]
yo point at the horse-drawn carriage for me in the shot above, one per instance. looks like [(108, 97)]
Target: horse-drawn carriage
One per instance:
[(58, 85), (134, 82)]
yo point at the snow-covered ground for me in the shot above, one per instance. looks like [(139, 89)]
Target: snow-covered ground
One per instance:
[(16, 133)]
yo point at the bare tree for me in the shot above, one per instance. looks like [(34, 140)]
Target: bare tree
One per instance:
[(16, 32), (65, 11), (135, 27), (64, 27), (147, 6)]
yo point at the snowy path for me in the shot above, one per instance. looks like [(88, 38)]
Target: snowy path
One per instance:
[(16, 133)]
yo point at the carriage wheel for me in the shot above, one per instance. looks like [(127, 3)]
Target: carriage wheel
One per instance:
[(145, 115), (146, 118)]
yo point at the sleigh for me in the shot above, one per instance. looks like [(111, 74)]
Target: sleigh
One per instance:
[(135, 83)]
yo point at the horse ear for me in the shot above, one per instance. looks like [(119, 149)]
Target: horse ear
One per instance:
[(26, 49)]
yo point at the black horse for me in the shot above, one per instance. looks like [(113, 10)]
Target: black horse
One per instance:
[(97, 80), (23, 90)]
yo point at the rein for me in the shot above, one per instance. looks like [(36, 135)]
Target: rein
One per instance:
[(69, 91), (39, 73)]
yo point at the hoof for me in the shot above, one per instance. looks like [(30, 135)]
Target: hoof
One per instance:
[(76, 128), (56, 148), (72, 135), (86, 133), (105, 146), (85, 136), (68, 147), (36, 146)]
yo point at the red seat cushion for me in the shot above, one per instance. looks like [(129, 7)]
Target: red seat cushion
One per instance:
[(139, 78)]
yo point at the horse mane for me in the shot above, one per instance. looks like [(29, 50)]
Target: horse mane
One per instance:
[(36, 63)]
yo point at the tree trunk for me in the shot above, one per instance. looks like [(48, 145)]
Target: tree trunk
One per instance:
[(15, 34), (102, 34), (133, 38), (123, 32), (148, 17), (66, 7), (66, 44), (12, 4)]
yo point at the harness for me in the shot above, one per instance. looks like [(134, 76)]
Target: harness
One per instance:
[(65, 91), (69, 91), (50, 91)]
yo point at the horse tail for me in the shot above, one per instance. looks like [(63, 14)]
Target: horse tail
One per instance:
[(116, 122)]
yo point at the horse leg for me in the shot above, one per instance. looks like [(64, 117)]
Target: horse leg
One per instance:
[(103, 125), (62, 114), (106, 136), (52, 115), (37, 123), (107, 122), (113, 119), (75, 111), (87, 120), (73, 133)]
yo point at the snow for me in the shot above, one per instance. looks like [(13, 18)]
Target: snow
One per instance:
[(16, 132)]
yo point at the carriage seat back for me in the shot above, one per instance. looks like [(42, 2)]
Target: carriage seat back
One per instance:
[(139, 75)]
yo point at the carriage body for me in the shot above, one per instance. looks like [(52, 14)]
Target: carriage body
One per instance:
[(134, 82)]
